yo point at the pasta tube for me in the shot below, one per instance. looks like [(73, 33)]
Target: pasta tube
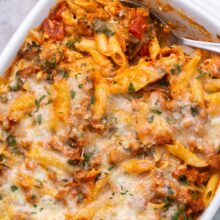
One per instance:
[(117, 54), (187, 156), (211, 188)]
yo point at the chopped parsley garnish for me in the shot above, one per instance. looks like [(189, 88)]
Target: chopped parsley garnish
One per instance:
[(64, 73), (163, 82), (71, 43), (11, 141), (73, 94), (80, 86), (17, 85), (167, 202), (110, 168), (201, 74), (170, 191), (86, 157), (50, 64), (73, 162), (93, 100), (78, 74), (14, 188), (181, 215), (131, 88), (194, 111), (156, 111), (2, 157), (39, 119), (176, 69), (182, 179), (38, 102), (12, 145)]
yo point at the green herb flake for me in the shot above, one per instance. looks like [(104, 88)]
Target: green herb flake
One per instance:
[(167, 202), (73, 94), (170, 190), (80, 86), (11, 141), (181, 215), (39, 119), (78, 74), (182, 179), (73, 162), (156, 111), (194, 111), (202, 74), (50, 64), (64, 73), (38, 102), (93, 100), (176, 69), (131, 88), (17, 85), (175, 217), (87, 156), (110, 168), (14, 188), (2, 157), (71, 45)]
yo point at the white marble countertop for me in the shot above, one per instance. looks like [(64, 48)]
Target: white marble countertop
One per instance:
[(12, 13)]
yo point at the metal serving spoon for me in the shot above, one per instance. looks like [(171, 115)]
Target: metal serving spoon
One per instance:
[(175, 38)]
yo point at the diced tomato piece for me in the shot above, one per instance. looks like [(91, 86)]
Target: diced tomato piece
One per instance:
[(57, 13), (144, 50), (54, 29), (138, 26)]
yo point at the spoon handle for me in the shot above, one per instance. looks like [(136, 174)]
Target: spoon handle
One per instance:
[(213, 47)]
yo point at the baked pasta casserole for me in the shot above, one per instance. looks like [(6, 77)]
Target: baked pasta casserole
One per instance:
[(100, 119)]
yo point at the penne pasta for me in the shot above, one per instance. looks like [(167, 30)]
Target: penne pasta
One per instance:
[(101, 98), (134, 79), (88, 5), (197, 91), (135, 166), (21, 107), (154, 48), (99, 58), (183, 79), (61, 103), (212, 98), (47, 160), (186, 155), (102, 44), (211, 188), (117, 54), (85, 45), (212, 85)]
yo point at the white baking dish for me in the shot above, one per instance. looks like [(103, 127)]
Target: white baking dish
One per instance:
[(206, 13)]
